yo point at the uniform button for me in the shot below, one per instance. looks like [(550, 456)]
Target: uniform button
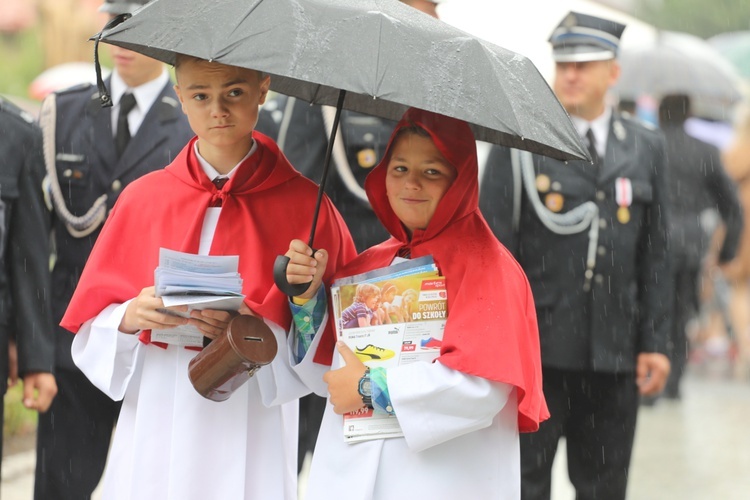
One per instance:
[(116, 185), (369, 137), (602, 224), (601, 251), (588, 274), (599, 279), (556, 186), (67, 172), (600, 195), (306, 319)]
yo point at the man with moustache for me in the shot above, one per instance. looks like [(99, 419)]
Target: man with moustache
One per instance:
[(592, 240)]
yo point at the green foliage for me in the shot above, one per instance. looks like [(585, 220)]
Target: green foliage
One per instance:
[(22, 60), (18, 420), (703, 18)]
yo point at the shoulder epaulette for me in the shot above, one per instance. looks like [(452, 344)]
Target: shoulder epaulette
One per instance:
[(12, 109), (81, 87)]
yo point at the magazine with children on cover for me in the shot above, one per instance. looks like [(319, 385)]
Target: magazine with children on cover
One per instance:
[(389, 317)]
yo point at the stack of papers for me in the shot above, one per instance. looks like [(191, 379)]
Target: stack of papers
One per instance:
[(199, 282), (402, 324)]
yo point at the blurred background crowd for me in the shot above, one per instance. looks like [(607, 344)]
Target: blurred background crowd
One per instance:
[(683, 61)]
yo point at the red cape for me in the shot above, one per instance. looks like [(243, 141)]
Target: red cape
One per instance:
[(265, 205), (491, 330)]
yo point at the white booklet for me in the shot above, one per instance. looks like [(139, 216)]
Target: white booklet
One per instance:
[(200, 282), (403, 325)]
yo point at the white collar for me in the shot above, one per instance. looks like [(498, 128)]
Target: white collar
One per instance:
[(599, 126), (211, 172), (145, 95)]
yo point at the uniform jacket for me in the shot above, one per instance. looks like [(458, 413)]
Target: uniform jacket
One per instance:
[(87, 167), (627, 309), (304, 141), (24, 246), (697, 182)]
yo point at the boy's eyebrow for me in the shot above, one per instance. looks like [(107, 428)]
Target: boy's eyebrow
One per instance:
[(429, 160), (237, 81)]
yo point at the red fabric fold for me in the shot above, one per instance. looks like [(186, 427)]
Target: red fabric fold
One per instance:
[(264, 207), (491, 331)]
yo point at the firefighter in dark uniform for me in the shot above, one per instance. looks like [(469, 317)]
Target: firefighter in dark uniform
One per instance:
[(25, 317), (302, 133), (592, 240), (91, 154)]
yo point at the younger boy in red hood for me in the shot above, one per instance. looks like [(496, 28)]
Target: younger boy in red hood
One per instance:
[(461, 414)]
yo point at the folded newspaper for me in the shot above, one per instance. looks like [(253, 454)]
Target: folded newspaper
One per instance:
[(199, 282), (389, 317)]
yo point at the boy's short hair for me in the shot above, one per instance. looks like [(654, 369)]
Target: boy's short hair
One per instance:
[(180, 59), (365, 291)]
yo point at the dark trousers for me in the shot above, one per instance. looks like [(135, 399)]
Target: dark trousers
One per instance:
[(685, 282), (596, 412), (311, 410), (73, 439)]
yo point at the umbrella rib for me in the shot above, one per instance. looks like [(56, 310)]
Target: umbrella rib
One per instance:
[(377, 60)]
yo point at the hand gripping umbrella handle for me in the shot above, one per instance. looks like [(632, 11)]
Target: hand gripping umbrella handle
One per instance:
[(279, 276), (282, 261)]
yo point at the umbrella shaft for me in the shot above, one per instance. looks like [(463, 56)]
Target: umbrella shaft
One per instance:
[(326, 165)]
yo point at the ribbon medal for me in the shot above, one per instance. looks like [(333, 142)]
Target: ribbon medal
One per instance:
[(624, 198), (367, 158), (554, 202)]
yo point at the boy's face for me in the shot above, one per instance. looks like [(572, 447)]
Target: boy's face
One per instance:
[(418, 177), (221, 102)]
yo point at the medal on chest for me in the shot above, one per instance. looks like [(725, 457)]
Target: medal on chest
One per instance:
[(624, 198), (367, 158)]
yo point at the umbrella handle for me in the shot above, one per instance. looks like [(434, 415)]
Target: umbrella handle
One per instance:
[(279, 276), (282, 261), (104, 98)]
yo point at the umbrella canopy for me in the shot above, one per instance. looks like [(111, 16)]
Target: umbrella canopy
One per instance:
[(385, 55), (735, 46), (679, 63), (378, 57)]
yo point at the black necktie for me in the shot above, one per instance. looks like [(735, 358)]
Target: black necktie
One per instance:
[(127, 103), (592, 148), (219, 183)]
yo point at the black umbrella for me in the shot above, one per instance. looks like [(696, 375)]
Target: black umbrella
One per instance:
[(378, 57)]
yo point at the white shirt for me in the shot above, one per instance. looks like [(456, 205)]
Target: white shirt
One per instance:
[(599, 126), (145, 96), (211, 219)]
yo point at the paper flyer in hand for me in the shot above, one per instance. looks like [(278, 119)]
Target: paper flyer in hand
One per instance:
[(200, 282), (389, 317)]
